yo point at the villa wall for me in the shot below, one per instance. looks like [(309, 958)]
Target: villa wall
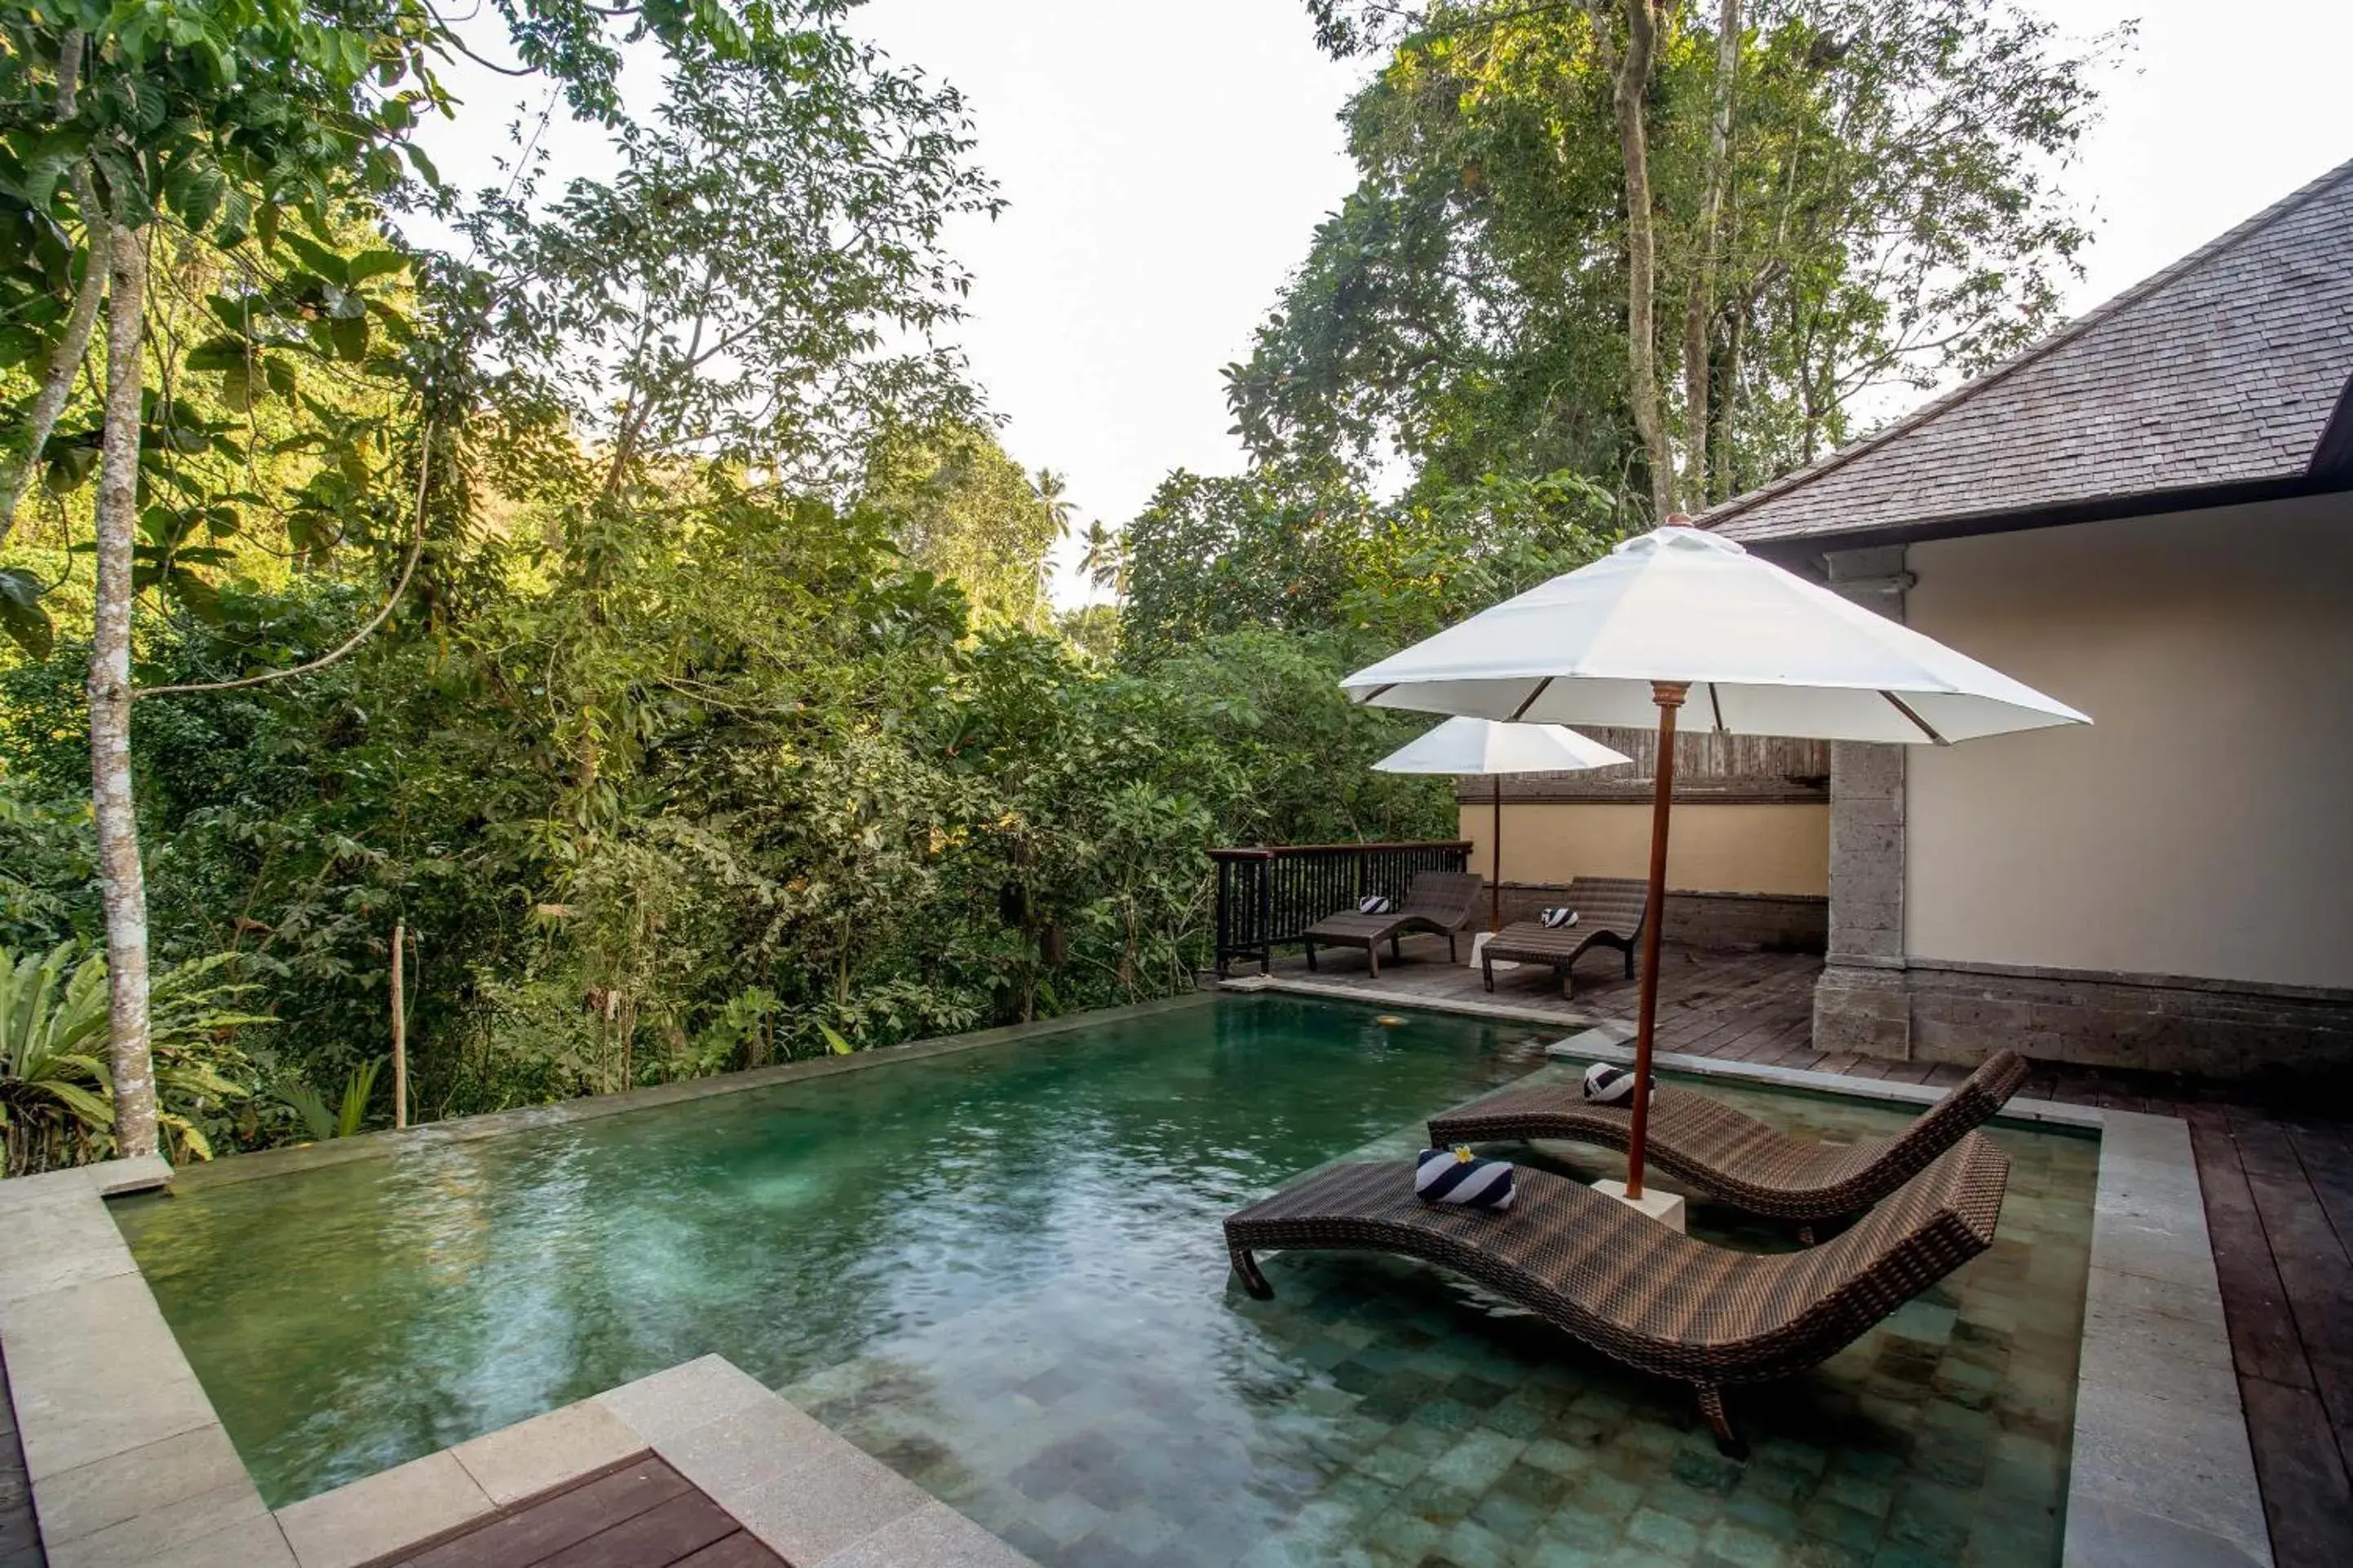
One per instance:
[(1778, 848), (2166, 889), (2202, 824)]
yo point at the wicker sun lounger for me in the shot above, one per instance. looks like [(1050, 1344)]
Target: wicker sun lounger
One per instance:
[(1637, 1290), (1700, 1140), (1609, 914), (1438, 901)]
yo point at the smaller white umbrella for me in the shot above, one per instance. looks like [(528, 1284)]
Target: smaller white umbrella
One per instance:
[(1491, 749)]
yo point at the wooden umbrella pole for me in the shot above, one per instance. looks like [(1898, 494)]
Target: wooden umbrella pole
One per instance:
[(1495, 883), (1669, 695)]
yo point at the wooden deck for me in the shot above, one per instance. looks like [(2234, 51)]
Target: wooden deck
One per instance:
[(639, 1514), (2278, 1182), (20, 1543)]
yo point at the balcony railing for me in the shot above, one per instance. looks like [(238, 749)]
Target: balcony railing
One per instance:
[(1268, 897)]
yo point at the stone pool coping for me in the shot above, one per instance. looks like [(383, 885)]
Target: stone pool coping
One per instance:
[(2160, 1469), (386, 1142)]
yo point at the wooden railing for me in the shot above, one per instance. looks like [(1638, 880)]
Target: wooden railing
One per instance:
[(1268, 897)]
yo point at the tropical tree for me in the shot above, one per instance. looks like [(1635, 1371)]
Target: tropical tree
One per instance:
[(1105, 560), (1668, 245), (963, 510)]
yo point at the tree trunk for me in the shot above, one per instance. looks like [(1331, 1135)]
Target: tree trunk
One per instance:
[(1728, 404), (1632, 72), (1699, 305), (123, 885)]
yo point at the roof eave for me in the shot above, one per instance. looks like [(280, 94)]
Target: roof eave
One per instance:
[(2097, 509)]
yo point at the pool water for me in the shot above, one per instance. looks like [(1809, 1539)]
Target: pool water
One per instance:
[(1001, 1272)]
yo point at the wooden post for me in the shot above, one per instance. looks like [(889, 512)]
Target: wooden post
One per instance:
[(399, 1031), (1495, 883), (1669, 695)]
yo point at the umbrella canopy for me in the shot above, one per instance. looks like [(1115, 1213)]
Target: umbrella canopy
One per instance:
[(1678, 618), (1763, 651), (1484, 747)]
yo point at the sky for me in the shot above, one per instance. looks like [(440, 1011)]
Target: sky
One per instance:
[(1164, 167)]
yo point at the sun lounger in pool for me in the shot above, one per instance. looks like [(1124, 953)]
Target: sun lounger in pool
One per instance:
[(1609, 914), (1633, 1289), (1698, 1139), (1438, 901)]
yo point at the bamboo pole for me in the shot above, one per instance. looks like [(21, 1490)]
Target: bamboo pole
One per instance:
[(399, 1031), (1669, 695)]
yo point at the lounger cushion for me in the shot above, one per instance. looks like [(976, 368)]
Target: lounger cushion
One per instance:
[(1608, 1085), (1456, 1176)]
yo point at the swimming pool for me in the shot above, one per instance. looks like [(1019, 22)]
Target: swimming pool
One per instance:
[(1000, 1271)]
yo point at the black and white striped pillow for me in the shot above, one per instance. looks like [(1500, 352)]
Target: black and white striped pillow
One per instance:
[(1374, 904), (1456, 1176), (1559, 919)]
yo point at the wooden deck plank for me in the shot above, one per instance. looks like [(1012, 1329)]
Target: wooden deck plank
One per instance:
[(2315, 1268), (664, 1534), (740, 1549), (2300, 1469), (2263, 1341), (538, 1527), (639, 1514)]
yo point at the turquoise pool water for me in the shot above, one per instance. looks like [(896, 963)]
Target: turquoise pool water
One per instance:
[(1000, 1271)]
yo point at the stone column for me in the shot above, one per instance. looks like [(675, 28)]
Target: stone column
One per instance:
[(1861, 1002)]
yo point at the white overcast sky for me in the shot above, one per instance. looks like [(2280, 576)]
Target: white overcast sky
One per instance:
[(1166, 164)]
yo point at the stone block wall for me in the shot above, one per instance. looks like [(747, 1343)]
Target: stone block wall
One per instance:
[(2210, 1029)]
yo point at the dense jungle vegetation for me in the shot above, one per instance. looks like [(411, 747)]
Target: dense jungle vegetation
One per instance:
[(624, 596)]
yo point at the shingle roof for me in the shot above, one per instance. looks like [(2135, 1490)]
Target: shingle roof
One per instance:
[(2224, 368)]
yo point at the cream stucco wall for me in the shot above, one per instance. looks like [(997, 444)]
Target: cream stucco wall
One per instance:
[(2203, 824), (1769, 848)]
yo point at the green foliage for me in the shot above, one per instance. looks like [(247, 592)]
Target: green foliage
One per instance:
[(1887, 218), (56, 1100), (345, 1118), (1210, 556), (962, 509)]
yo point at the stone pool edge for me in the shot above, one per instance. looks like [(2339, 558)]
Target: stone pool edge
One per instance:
[(2160, 1469), (386, 1142)]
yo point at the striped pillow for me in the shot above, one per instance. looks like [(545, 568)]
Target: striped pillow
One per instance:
[(1558, 919), (1374, 904), (1455, 1177)]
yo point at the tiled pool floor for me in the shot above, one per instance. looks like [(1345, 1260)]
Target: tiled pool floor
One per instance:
[(1403, 1420)]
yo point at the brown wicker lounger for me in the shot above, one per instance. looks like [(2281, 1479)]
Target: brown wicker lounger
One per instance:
[(1609, 914), (1734, 1157), (1634, 1289), (1438, 901)]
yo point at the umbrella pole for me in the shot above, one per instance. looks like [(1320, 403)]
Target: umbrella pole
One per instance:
[(1495, 883), (1669, 695)]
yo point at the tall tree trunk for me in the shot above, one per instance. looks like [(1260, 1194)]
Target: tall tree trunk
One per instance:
[(1632, 69), (123, 885), (1728, 404), (1699, 304)]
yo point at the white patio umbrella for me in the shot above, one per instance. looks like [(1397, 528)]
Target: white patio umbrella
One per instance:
[(1484, 747), (1680, 617)]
